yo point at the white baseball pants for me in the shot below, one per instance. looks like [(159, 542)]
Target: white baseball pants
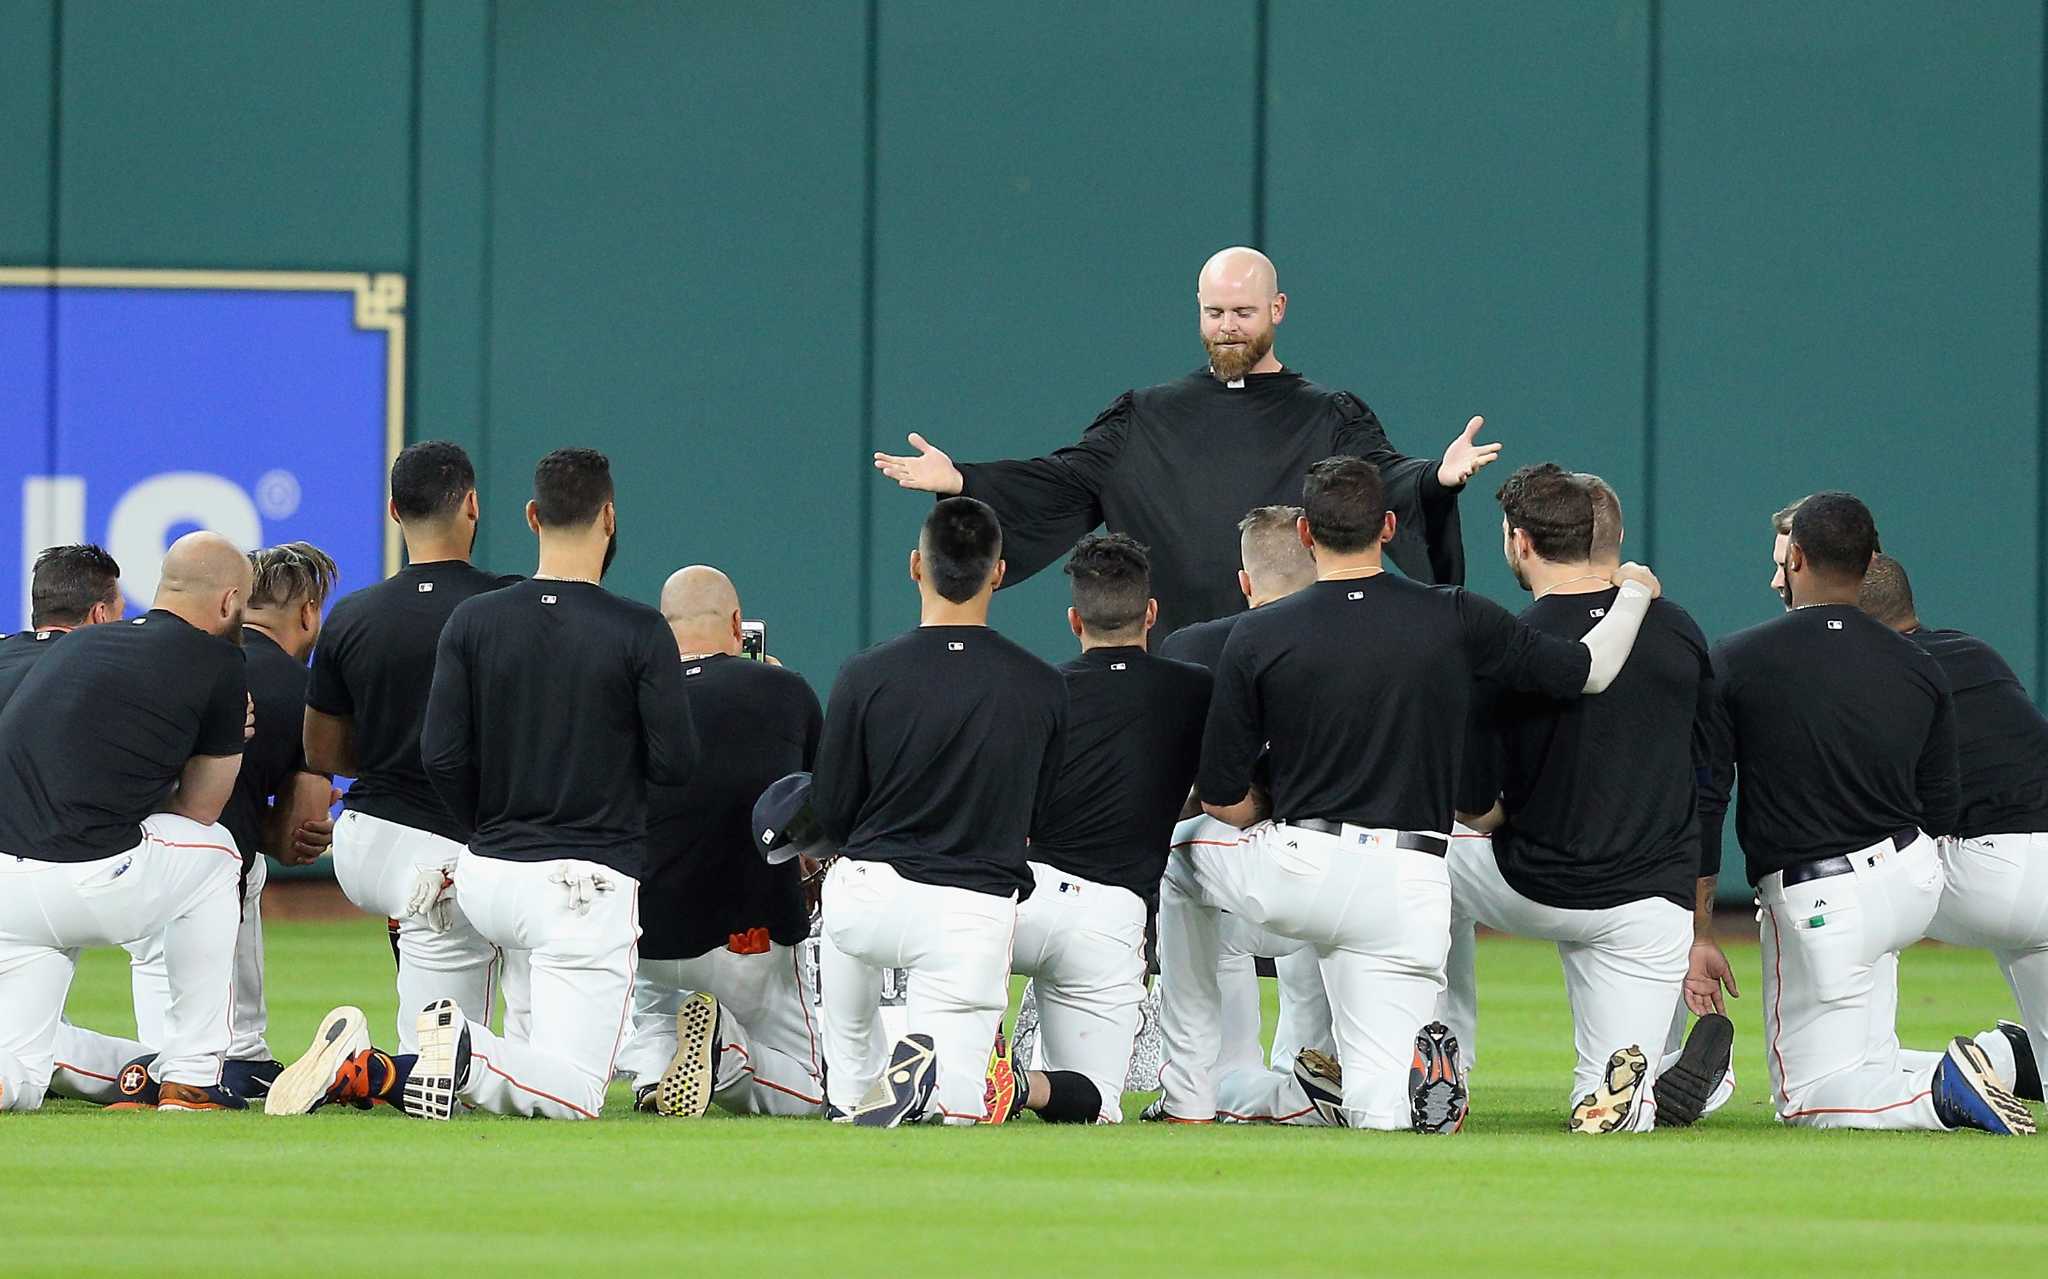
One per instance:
[(1624, 966), (378, 864), (1083, 943), (1997, 898), (579, 923), (180, 881), (770, 1063), (1378, 918), (1831, 991), (150, 978), (954, 945)]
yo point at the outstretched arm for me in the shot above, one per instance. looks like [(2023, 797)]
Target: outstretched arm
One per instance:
[(1429, 542)]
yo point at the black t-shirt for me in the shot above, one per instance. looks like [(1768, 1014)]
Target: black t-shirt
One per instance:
[(1843, 731), (1134, 737), (2001, 738), (374, 666), (705, 879), (555, 704), (96, 736), (19, 653), (1200, 642), (1362, 687), (277, 681), (938, 746), (1601, 792)]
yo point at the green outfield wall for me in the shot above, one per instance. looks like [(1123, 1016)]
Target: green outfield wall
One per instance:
[(1723, 254)]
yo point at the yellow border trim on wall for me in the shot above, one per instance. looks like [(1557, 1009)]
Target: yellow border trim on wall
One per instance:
[(380, 306)]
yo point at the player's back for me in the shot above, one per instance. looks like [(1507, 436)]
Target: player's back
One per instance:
[(375, 665), (705, 880), (1842, 732), (99, 732), (1133, 740), (561, 701), (2001, 737), (1199, 642), (937, 744), (1600, 791)]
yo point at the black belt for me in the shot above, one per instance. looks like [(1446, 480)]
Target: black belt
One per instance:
[(1434, 845), (1824, 867)]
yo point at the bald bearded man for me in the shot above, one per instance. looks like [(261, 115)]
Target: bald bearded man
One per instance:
[(117, 755), (1175, 465)]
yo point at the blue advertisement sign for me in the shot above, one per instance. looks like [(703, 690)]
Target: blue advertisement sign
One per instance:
[(136, 406)]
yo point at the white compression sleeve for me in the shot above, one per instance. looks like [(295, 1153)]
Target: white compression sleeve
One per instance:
[(1611, 639)]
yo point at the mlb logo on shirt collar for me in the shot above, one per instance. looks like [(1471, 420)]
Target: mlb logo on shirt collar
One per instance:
[(425, 587), (955, 646), (1119, 666), (549, 599)]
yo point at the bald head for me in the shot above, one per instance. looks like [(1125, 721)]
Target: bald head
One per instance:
[(1239, 270), (1241, 304), (205, 580), (703, 609)]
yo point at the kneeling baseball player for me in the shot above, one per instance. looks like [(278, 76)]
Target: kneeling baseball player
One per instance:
[(720, 1009)]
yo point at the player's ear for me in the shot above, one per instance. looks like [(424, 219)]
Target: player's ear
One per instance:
[(1152, 613), (1301, 531), (1244, 585), (609, 517), (738, 635), (533, 515), (1074, 620), (996, 579), (392, 507), (1795, 558), (1387, 529), (916, 566), (1279, 307), (471, 507)]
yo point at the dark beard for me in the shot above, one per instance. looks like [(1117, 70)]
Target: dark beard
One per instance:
[(611, 552), (1229, 363), (233, 634)]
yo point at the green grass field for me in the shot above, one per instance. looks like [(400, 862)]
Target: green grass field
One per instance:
[(89, 1192)]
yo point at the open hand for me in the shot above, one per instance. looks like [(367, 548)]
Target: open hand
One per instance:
[(1707, 973), (931, 471), (1466, 457)]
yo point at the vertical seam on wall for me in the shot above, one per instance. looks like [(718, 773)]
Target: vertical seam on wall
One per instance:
[(2041, 399), (485, 428), (1653, 101), (412, 235), (1262, 15), (870, 174), (53, 243)]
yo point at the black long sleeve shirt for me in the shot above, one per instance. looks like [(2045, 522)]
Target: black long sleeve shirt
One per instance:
[(1601, 792), (1363, 689), (1177, 465), (270, 759), (938, 747), (554, 705), (706, 881), (1134, 738), (1842, 732), (2001, 738)]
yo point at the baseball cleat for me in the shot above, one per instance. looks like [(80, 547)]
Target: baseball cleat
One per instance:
[(1969, 1094), (1322, 1080), (309, 1081), (999, 1097), (684, 1090), (904, 1088), (1436, 1087), (250, 1080), (643, 1098), (137, 1086), (1614, 1106), (441, 1071), (175, 1099), (1156, 1113), (2026, 1074), (1688, 1088)]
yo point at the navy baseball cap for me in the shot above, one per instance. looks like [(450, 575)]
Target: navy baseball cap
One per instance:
[(784, 827)]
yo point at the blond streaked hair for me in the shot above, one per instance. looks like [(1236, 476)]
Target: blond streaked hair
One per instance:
[(285, 575), (1271, 550)]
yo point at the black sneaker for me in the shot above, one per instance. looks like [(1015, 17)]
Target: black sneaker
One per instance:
[(2026, 1071), (1436, 1087), (904, 1088), (442, 1069), (1684, 1090), (250, 1080)]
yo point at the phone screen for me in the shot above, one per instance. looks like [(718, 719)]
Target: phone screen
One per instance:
[(754, 639)]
